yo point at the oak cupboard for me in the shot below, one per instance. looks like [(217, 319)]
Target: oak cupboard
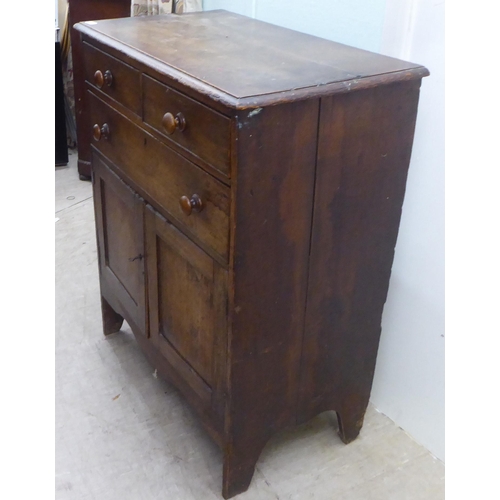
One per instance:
[(248, 184)]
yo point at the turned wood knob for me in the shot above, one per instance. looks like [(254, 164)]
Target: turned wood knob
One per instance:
[(172, 123), (193, 204), (100, 132), (100, 79)]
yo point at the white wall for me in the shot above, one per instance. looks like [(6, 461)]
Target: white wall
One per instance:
[(409, 379), (355, 22), (243, 7)]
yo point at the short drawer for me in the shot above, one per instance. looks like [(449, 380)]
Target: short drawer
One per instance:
[(190, 124), (193, 199), (113, 77)]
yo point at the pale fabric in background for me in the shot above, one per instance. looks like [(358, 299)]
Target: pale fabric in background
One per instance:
[(188, 6), (155, 7), (151, 7)]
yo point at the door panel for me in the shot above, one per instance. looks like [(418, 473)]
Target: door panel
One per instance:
[(185, 307), (120, 245), (120, 230), (187, 304)]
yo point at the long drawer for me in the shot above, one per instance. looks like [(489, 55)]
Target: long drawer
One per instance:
[(191, 197)]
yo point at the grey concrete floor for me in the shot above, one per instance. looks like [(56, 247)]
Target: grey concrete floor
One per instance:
[(122, 433)]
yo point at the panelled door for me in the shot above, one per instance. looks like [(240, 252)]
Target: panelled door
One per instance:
[(120, 230), (187, 292)]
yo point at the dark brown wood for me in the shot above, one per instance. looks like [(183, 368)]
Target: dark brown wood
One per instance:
[(172, 123), (108, 78), (187, 123), (98, 79), (260, 297), (86, 10), (186, 306), (358, 198), (163, 138), (184, 278), (111, 320), (192, 204), (100, 132), (171, 374), (61, 145), (276, 164), (226, 55), (120, 229), (164, 177), (119, 81)]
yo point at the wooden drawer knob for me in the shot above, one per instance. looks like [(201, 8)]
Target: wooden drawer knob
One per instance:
[(172, 123), (100, 79), (193, 204), (100, 132)]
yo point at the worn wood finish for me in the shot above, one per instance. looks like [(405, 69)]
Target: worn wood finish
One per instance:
[(358, 198), (273, 209), (226, 55), (120, 228), (249, 249), (165, 177), (111, 76), (184, 289), (111, 320), (169, 371), (188, 308), (86, 10), (204, 132), (161, 137)]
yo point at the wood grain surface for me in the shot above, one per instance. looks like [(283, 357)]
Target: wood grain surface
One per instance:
[(120, 228), (226, 55), (262, 181), (365, 141), (164, 176), (273, 208), (78, 11), (206, 132)]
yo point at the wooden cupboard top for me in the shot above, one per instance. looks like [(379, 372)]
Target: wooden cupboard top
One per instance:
[(243, 62)]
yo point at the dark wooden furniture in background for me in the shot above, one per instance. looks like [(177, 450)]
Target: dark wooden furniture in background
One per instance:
[(248, 186), (60, 118), (87, 10)]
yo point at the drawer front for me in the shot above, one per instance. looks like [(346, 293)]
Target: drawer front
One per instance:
[(165, 177), (199, 129), (113, 77)]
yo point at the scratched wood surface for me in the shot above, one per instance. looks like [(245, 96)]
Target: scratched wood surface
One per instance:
[(264, 304), (122, 433), (78, 11), (231, 53)]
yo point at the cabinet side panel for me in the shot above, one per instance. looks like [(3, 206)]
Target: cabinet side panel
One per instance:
[(364, 150), (272, 216)]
